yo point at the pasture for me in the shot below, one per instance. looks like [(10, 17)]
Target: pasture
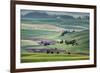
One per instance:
[(42, 57), (70, 34)]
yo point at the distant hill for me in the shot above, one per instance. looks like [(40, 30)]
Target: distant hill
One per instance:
[(36, 15), (45, 15), (65, 16)]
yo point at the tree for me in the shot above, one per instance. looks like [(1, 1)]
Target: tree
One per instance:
[(61, 41), (64, 32)]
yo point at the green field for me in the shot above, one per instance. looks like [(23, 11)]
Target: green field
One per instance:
[(37, 57), (83, 47), (81, 37), (35, 30)]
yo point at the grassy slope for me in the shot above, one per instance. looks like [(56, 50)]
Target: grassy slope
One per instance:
[(36, 33), (65, 23), (37, 57), (82, 37)]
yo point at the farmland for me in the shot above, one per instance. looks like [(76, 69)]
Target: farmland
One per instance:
[(56, 30), (40, 57)]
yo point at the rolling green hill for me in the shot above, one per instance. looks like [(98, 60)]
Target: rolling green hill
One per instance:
[(63, 23), (54, 26), (76, 51), (81, 37)]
